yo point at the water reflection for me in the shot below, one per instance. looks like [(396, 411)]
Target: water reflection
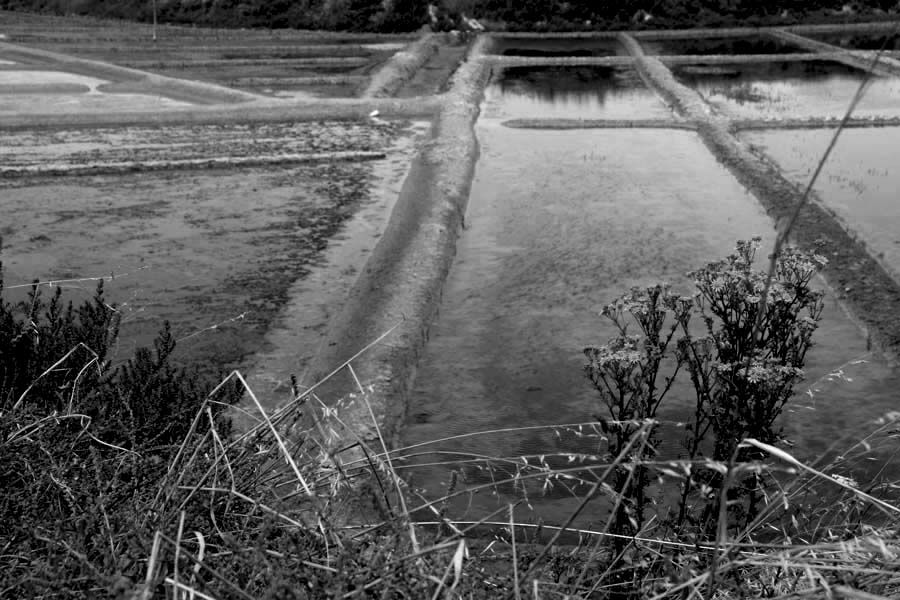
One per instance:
[(862, 42), (712, 46), (556, 47), (571, 92), (802, 89)]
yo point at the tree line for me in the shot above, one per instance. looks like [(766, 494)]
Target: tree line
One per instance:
[(409, 15)]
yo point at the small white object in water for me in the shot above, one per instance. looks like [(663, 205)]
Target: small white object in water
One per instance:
[(373, 114)]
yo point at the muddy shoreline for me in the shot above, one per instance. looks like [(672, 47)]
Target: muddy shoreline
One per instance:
[(215, 252)]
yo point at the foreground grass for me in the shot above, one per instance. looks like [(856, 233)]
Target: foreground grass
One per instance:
[(277, 512), (128, 482)]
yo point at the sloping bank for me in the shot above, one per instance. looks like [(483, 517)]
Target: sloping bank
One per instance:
[(870, 293), (402, 66), (400, 286)]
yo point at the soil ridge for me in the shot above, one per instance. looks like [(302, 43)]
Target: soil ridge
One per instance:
[(399, 289)]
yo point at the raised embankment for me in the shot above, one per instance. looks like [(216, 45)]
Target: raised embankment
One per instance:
[(399, 289), (870, 293), (885, 66), (217, 104), (401, 67), (269, 111)]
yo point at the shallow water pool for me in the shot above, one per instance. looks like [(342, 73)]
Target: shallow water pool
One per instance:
[(859, 183), (805, 89)]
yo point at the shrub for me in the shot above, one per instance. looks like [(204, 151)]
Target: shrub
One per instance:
[(83, 445)]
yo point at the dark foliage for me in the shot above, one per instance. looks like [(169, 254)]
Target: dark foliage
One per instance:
[(409, 15), (83, 445)]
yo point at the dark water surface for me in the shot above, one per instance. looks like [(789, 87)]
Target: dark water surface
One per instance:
[(760, 44), (871, 41), (556, 47), (559, 224), (587, 92)]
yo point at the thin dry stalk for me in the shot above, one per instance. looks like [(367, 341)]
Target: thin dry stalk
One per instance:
[(178, 552), (396, 478), (281, 445), (778, 453), (515, 558), (191, 592), (154, 556), (199, 562)]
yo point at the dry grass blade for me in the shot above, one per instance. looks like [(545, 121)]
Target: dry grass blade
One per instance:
[(278, 440), (154, 557), (191, 592), (853, 594), (412, 530), (291, 406), (778, 453), (175, 579), (198, 562), (515, 559)]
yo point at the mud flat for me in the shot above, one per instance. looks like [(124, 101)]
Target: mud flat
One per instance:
[(32, 91), (214, 252), (36, 147)]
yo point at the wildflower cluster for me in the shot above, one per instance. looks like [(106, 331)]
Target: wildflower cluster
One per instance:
[(743, 367)]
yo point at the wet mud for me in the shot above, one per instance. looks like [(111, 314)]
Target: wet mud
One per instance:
[(215, 252)]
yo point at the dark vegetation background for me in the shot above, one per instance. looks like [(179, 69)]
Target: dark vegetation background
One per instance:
[(409, 15)]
